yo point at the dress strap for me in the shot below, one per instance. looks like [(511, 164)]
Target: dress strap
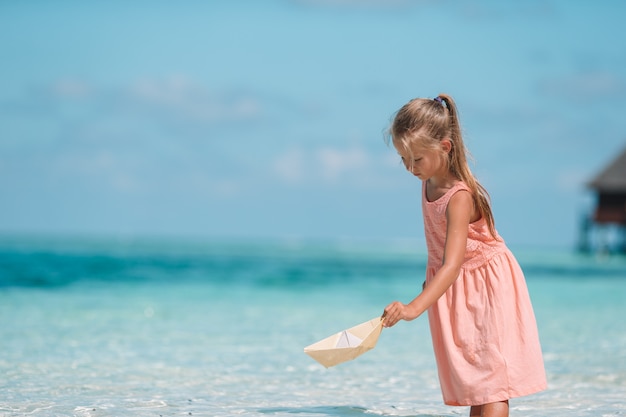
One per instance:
[(444, 199)]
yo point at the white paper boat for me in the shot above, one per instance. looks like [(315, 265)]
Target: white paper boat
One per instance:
[(346, 345)]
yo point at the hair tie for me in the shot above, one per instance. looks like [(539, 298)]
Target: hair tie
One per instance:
[(439, 100)]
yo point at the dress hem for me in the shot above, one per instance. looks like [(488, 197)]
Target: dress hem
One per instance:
[(498, 397)]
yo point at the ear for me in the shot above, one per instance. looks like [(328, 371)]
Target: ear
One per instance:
[(446, 145)]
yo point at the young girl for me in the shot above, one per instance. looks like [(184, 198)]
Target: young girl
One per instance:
[(481, 319)]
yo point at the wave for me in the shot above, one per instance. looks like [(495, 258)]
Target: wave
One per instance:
[(222, 264)]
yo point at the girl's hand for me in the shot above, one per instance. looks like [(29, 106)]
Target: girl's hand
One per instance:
[(395, 312)]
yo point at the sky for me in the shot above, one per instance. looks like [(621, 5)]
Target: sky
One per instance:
[(254, 120)]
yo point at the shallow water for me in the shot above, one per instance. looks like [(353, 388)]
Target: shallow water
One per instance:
[(111, 328)]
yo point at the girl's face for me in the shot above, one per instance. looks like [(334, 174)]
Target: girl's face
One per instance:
[(422, 162)]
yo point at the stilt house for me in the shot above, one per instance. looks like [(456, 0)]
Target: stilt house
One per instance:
[(610, 209)]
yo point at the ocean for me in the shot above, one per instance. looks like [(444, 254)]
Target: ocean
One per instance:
[(166, 327)]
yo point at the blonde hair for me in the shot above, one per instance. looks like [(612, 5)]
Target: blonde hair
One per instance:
[(425, 123)]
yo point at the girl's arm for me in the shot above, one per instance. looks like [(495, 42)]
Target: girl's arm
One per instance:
[(458, 215)]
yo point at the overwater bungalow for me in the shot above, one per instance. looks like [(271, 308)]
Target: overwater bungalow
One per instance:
[(609, 213)]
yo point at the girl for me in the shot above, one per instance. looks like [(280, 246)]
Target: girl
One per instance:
[(481, 318)]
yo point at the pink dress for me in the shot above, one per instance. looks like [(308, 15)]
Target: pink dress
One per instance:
[(483, 328)]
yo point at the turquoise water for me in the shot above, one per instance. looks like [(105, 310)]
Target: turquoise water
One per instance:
[(174, 328)]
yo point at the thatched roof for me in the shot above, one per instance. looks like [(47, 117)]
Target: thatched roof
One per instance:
[(613, 177)]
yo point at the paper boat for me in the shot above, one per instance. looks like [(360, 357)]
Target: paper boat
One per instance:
[(346, 345)]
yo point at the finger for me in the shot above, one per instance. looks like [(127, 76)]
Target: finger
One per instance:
[(389, 321)]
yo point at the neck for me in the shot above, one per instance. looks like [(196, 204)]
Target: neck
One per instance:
[(445, 180)]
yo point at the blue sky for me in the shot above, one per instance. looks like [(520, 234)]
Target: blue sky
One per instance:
[(253, 119)]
